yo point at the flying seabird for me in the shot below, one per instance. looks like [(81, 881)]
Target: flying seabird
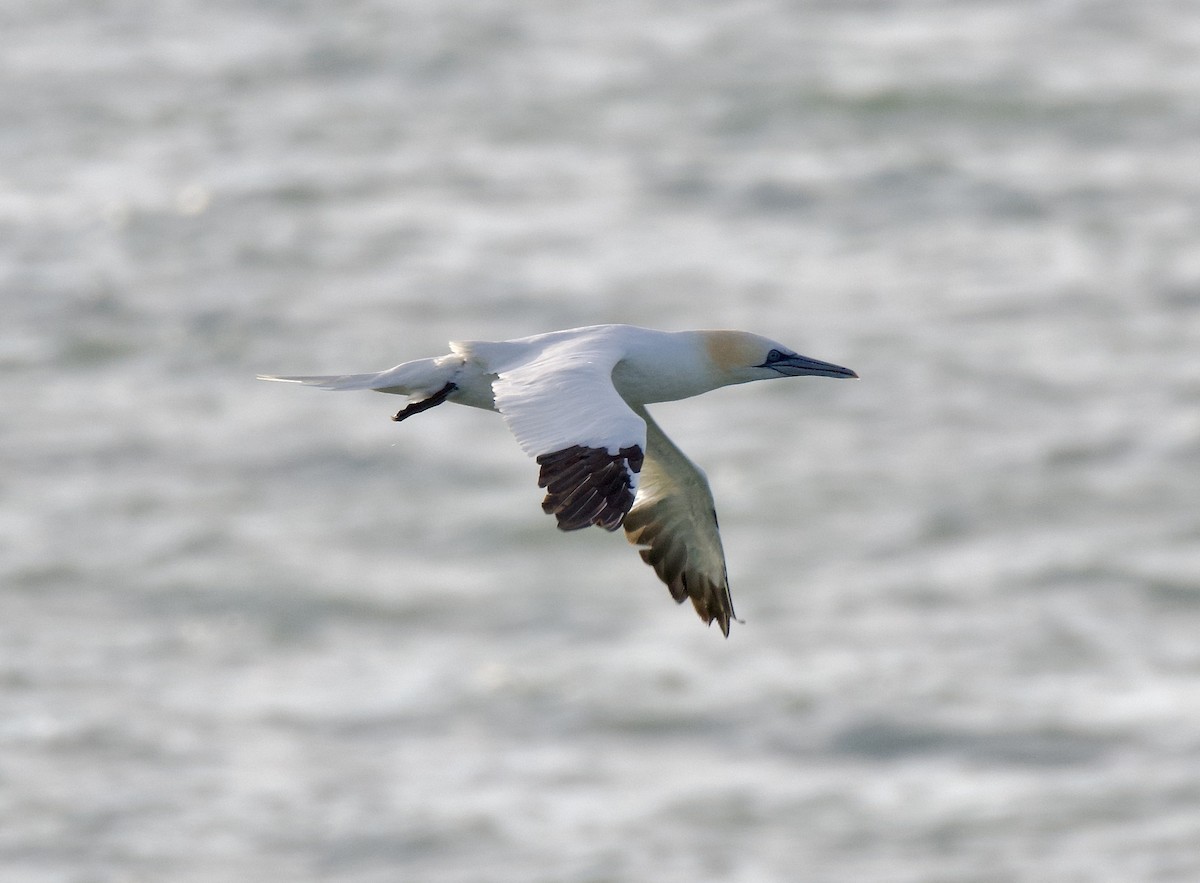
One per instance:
[(576, 401)]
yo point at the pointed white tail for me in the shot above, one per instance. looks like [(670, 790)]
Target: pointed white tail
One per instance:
[(420, 377), (329, 381)]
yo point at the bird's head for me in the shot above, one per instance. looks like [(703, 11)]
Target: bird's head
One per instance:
[(739, 357)]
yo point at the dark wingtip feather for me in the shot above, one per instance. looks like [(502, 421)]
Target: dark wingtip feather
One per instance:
[(589, 486)]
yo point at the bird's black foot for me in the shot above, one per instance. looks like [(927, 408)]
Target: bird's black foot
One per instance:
[(425, 404)]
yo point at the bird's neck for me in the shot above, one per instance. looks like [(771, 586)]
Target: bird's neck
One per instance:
[(665, 368)]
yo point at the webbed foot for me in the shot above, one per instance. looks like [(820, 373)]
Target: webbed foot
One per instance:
[(425, 404)]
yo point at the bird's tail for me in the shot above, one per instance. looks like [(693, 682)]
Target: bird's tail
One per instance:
[(420, 377), (327, 381)]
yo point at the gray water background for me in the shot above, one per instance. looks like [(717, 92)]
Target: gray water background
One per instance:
[(254, 632)]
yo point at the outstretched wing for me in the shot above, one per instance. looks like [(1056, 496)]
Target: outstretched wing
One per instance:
[(675, 522), (558, 399)]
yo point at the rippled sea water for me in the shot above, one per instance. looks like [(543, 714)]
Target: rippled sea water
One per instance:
[(254, 632)]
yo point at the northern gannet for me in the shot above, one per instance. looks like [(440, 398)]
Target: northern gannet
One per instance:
[(576, 401)]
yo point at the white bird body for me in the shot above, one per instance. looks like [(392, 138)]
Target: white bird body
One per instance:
[(576, 399)]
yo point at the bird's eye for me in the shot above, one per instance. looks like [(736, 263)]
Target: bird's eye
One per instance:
[(774, 356)]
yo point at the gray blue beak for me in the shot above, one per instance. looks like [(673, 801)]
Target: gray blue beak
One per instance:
[(799, 366)]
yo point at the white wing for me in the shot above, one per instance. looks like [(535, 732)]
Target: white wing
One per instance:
[(558, 399), (675, 521)]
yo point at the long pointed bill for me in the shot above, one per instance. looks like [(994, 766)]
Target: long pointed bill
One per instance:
[(798, 366)]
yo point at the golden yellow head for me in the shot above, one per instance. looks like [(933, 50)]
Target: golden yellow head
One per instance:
[(739, 357)]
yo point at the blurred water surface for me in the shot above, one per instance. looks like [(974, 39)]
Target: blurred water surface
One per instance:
[(257, 632)]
